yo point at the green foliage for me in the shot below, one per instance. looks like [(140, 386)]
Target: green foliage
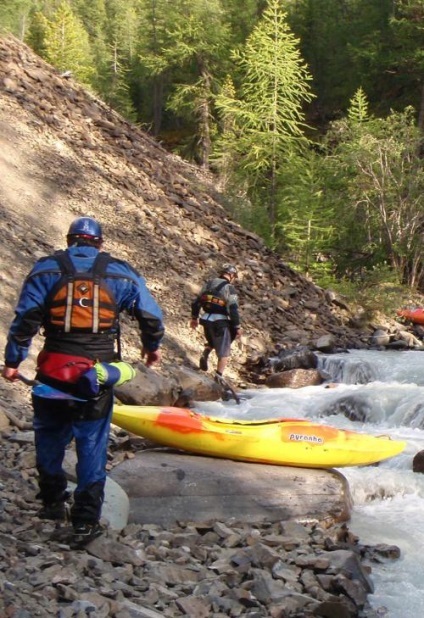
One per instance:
[(346, 45), (37, 33), (379, 194), (264, 123), (66, 44), (225, 157), (377, 291), (305, 230), (242, 16), (14, 16), (325, 29), (92, 15), (358, 110), (249, 215), (404, 61), (190, 43), (115, 50), (267, 115)]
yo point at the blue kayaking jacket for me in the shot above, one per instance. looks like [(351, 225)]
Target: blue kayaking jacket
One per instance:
[(130, 293)]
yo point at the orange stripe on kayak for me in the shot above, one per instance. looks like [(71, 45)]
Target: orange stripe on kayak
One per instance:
[(179, 420), (185, 422)]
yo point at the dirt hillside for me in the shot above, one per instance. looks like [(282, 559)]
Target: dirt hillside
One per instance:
[(63, 153)]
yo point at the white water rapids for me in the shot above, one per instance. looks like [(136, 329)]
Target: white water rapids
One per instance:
[(385, 391)]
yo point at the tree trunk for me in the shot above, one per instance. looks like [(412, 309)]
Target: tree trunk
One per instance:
[(205, 115), (157, 104), (421, 112)]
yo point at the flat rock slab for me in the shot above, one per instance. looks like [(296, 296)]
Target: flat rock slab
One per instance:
[(166, 486)]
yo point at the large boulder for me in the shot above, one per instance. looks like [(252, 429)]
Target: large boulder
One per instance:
[(152, 388), (294, 378), (148, 388), (165, 487)]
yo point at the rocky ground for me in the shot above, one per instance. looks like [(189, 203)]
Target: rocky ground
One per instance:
[(63, 154), (210, 569)]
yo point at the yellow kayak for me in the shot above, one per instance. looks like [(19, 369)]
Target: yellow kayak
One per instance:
[(284, 442)]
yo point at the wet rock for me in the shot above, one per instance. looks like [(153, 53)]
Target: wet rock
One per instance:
[(298, 358), (294, 378), (325, 344), (418, 462), (380, 337), (353, 407)]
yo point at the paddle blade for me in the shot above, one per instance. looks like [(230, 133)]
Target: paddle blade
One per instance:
[(48, 392)]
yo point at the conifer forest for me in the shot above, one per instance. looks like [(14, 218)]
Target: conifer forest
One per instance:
[(309, 113)]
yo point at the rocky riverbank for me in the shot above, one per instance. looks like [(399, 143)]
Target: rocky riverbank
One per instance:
[(211, 569), (208, 570), (203, 571)]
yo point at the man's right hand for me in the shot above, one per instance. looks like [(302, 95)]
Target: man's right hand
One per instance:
[(11, 374), (194, 322), (239, 332)]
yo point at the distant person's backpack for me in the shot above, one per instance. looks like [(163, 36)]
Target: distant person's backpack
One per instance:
[(212, 301), (81, 301)]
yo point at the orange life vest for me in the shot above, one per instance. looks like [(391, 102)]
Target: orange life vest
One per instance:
[(81, 301)]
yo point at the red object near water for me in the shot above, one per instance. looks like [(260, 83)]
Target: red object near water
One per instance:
[(413, 315)]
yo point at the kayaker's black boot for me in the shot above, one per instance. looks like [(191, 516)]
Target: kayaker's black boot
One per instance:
[(84, 533), (219, 379), (203, 362), (56, 511)]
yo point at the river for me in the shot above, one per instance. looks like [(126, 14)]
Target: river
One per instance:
[(384, 392)]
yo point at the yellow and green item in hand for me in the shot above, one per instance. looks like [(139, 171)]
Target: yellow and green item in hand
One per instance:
[(114, 374), (104, 374)]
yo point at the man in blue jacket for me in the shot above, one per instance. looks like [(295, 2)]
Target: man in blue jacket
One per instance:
[(76, 297)]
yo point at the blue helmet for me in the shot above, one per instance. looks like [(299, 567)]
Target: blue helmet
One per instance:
[(86, 227)]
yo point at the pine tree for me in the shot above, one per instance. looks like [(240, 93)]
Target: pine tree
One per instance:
[(120, 34), (305, 230), (66, 44), (190, 44), (267, 115), (14, 16), (358, 110)]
